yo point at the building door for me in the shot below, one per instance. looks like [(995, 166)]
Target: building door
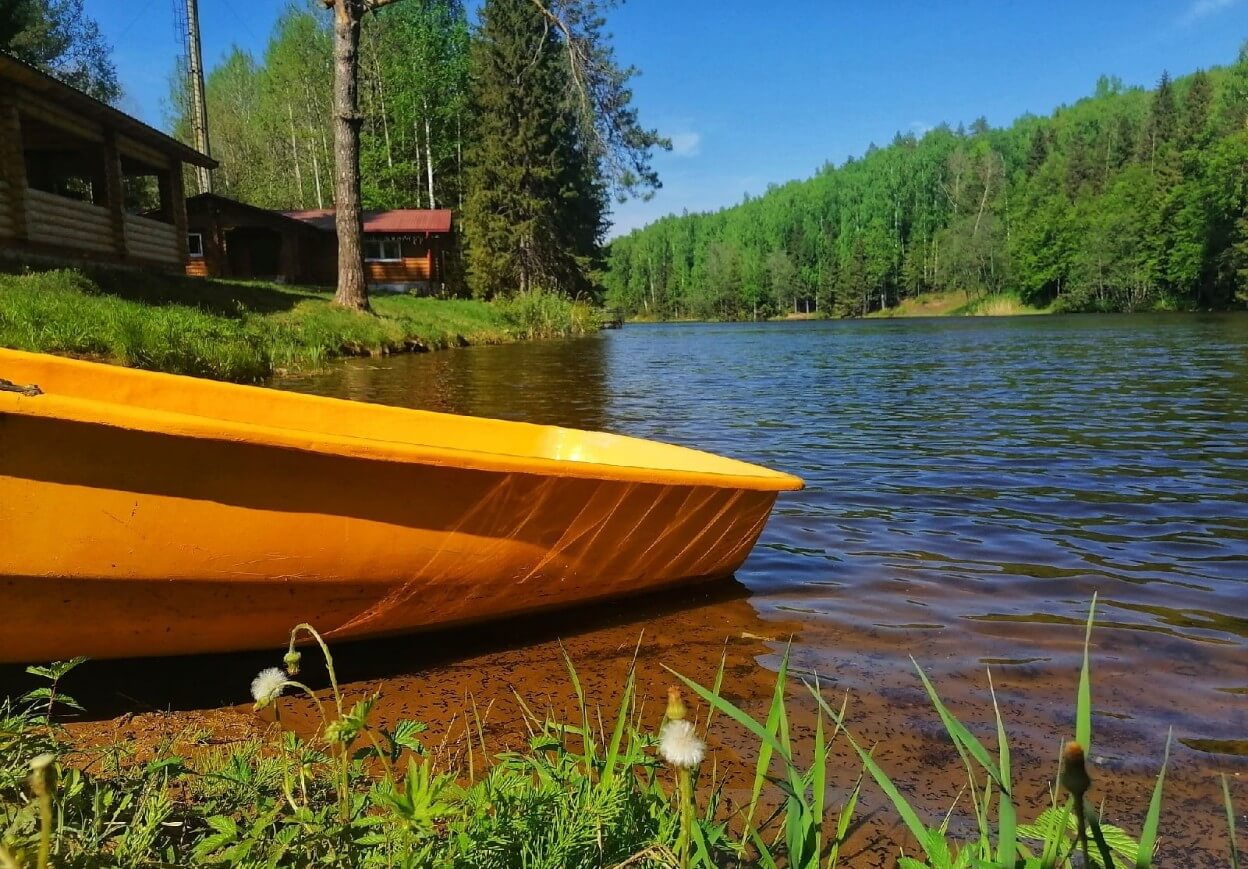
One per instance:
[(254, 252)]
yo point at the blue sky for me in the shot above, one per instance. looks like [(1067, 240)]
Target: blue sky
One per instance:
[(756, 93)]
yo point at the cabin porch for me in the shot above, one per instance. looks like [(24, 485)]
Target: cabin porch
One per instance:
[(80, 180)]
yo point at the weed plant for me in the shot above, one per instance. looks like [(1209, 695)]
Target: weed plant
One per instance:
[(584, 792)]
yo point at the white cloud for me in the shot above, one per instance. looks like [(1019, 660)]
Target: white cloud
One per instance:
[(686, 144), (920, 128), (1200, 9)]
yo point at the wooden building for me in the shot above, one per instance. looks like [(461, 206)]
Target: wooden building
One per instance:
[(228, 238), (80, 180), (405, 249)]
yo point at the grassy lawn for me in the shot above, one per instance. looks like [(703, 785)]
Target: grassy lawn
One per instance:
[(247, 331)]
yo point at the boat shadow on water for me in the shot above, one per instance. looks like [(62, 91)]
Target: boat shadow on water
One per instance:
[(687, 628)]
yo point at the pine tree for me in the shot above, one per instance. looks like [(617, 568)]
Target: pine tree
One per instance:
[(1197, 106), (526, 174), (1163, 120)]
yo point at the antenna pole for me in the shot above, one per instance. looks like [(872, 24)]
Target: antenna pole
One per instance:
[(199, 105)]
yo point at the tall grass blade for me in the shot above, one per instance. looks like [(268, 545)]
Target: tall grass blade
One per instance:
[(587, 733), (1083, 707), (1230, 823), (958, 732), (717, 686), (1007, 816), (818, 785), (621, 724), (1148, 835), (908, 815)]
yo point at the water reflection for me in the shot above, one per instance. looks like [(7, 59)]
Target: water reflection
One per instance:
[(559, 383)]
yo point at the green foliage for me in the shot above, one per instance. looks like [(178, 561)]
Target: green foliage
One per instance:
[(58, 37), (544, 314), (535, 210), (272, 128), (1126, 200), (248, 331), (582, 793)]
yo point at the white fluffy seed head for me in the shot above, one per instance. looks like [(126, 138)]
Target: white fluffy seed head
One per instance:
[(680, 746), (267, 686)]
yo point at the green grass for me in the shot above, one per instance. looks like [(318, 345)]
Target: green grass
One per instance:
[(956, 304), (997, 305), (247, 331), (590, 792)]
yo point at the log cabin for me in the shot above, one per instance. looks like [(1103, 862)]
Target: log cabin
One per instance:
[(228, 238), (405, 249), (82, 181)]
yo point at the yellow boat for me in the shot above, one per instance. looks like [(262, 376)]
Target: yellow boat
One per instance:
[(151, 514)]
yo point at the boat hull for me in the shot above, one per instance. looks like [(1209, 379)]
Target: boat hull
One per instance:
[(120, 542)]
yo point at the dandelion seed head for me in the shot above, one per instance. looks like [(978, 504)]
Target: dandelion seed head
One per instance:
[(680, 746), (267, 686)]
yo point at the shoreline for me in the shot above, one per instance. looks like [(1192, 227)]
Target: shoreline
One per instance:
[(251, 331)]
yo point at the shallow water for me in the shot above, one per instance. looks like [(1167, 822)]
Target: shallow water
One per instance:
[(971, 484)]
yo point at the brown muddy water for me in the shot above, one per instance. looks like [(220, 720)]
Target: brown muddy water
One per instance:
[(971, 484)]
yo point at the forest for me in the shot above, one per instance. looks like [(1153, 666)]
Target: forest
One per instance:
[(522, 124), (1130, 199)]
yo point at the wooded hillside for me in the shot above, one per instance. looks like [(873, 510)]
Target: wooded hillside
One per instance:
[(1129, 199)]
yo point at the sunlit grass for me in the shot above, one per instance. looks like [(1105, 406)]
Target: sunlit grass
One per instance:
[(997, 305), (247, 331)]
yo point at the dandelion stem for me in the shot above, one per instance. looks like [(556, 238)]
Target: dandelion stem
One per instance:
[(684, 781)]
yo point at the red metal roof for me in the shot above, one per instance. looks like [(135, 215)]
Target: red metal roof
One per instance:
[(398, 221)]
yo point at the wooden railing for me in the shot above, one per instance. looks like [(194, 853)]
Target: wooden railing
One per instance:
[(152, 240), (68, 223)]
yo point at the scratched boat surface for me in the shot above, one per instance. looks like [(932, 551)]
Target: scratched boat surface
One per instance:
[(150, 514)]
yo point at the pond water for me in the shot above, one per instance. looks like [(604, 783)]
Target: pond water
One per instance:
[(971, 484)]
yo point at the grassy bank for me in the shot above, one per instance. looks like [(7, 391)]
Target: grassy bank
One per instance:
[(958, 305), (246, 331), (611, 787)]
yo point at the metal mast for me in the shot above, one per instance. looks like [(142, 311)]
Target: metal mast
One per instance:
[(186, 19)]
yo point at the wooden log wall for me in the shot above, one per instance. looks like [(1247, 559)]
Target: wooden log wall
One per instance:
[(6, 218), (12, 169), (68, 223), (415, 265), (152, 240)]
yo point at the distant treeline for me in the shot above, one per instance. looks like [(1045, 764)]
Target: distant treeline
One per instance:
[(1130, 199)]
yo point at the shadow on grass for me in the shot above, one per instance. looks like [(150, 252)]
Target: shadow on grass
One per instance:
[(214, 296)]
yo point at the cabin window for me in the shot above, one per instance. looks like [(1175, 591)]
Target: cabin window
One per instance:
[(195, 243), (382, 250)]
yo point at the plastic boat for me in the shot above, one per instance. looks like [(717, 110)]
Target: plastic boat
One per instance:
[(152, 514)]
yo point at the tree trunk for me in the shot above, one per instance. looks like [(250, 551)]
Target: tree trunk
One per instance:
[(429, 155), (294, 153), (352, 291), (316, 174)]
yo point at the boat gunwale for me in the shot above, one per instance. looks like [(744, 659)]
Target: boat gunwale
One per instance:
[(181, 424)]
